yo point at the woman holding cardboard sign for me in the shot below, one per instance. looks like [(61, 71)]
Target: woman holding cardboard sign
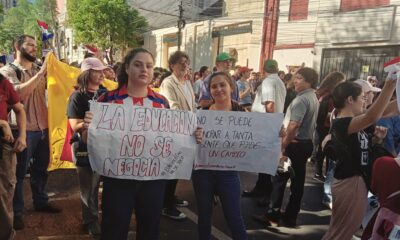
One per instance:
[(226, 184), (121, 196), (89, 87)]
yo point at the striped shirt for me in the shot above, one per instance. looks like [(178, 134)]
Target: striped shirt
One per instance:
[(120, 96)]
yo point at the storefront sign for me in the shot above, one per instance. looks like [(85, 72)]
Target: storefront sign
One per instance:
[(233, 29)]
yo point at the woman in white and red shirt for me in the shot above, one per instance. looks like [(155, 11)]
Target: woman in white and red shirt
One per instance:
[(122, 196)]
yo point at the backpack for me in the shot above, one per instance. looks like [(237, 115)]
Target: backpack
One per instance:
[(18, 71)]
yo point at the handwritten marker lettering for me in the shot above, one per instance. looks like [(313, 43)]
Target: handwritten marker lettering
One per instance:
[(109, 120), (142, 167), (239, 141), (142, 143), (132, 146), (240, 121), (233, 154), (162, 147), (147, 119)]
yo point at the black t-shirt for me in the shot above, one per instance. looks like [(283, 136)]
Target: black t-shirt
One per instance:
[(351, 150), (325, 106), (78, 104)]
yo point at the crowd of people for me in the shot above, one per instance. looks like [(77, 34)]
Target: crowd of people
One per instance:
[(348, 124)]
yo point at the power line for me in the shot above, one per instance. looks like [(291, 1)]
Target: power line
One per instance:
[(313, 13), (153, 11)]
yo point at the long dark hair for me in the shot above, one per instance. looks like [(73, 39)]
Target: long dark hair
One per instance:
[(329, 83), (122, 75), (343, 91)]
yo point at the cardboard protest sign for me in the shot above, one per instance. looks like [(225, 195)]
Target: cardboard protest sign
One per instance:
[(239, 141), (134, 142), (393, 69)]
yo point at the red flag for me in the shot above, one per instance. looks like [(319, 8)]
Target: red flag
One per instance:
[(66, 154), (43, 25), (392, 66)]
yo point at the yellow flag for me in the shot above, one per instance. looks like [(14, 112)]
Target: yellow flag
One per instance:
[(61, 79)]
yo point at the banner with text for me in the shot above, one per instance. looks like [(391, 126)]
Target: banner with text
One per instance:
[(239, 141), (133, 142)]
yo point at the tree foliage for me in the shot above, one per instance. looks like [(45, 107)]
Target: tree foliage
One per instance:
[(105, 23), (22, 19)]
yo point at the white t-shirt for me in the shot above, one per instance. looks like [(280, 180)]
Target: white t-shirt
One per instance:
[(272, 89), (197, 86)]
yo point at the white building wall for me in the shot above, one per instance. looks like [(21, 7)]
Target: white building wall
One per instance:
[(197, 41), (296, 33), (328, 27), (248, 8), (294, 57), (299, 31), (202, 49)]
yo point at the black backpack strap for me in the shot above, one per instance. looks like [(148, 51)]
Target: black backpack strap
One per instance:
[(18, 71)]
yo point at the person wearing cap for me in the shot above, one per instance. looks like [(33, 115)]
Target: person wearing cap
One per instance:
[(373, 80), (223, 63), (270, 98), (88, 88), (297, 145), (244, 88), (368, 90), (30, 81), (109, 73)]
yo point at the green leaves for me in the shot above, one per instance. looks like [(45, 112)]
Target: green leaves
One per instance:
[(105, 23), (22, 20)]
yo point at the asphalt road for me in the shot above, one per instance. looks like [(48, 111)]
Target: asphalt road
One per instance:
[(313, 220), (63, 187)]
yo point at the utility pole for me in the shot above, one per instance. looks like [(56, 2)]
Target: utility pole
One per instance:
[(181, 25)]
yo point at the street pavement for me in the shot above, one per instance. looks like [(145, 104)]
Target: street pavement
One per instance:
[(313, 220), (63, 187)]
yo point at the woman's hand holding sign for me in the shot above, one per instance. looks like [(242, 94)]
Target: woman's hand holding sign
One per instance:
[(86, 122), (199, 135)]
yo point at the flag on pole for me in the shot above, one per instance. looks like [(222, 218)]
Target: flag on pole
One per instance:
[(46, 35)]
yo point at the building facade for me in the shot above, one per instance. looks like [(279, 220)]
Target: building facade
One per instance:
[(203, 40), (354, 37)]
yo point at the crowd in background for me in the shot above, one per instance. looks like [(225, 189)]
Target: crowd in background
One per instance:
[(347, 125)]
